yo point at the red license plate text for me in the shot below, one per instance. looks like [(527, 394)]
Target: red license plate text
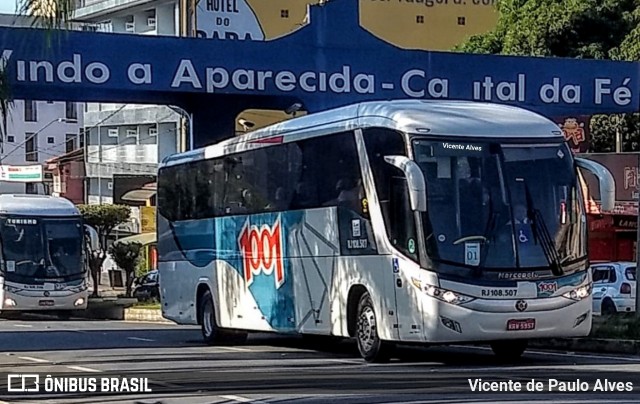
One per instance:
[(521, 325)]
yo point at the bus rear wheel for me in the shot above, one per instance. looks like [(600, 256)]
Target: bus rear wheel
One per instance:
[(211, 333), (509, 350), (371, 347)]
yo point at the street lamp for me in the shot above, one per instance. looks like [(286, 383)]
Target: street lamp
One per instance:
[(32, 136), (187, 116)]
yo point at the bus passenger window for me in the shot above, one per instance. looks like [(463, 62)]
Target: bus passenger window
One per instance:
[(279, 201)]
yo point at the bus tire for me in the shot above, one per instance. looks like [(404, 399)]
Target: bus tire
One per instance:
[(371, 347), (608, 307), (10, 315), (211, 333), (64, 315), (509, 350)]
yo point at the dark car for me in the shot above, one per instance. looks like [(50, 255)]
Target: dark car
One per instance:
[(147, 287)]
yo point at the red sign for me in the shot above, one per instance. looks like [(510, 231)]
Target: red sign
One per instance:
[(601, 223), (575, 130), (261, 249)]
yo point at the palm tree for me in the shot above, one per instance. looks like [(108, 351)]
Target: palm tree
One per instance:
[(48, 14)]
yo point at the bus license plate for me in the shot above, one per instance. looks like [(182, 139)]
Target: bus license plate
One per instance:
[(519, 325), (45, 302)]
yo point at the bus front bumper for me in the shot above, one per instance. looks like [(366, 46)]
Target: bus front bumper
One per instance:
[(456, 323), (60, 300)]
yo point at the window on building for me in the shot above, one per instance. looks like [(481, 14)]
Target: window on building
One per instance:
[(133, 133), (420, 19), (284, 13), (71, 111), (462, 21), (31, 188), (11, 139), (31, 147), (81, 137), (70, 142), (30, 111), (50, 140)]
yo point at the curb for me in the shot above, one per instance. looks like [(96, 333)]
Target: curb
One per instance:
[(145, 315), (598, 345)]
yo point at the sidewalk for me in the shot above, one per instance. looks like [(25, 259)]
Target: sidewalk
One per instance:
[(111, 306), (105, 289)]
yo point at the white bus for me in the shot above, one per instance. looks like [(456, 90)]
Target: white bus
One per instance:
[(401, 221), (42, 259)]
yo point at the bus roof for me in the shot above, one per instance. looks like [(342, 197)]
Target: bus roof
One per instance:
[(36, 205), (429, 117)]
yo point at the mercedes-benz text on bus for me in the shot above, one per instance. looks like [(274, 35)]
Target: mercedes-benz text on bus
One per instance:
[(399, 221), (42, 260)]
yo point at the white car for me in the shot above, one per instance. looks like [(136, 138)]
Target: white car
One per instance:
[(614, 287)]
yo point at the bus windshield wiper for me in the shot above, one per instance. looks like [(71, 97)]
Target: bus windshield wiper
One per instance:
[(541, 232)]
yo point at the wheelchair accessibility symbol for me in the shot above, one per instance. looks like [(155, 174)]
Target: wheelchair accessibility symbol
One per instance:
[(522, 237)]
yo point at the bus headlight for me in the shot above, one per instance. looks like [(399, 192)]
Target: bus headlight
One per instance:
[(447, 296), (579, 293), (10, 302), (79, 302)]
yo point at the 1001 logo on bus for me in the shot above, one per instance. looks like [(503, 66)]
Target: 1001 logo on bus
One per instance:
[(261, 249)]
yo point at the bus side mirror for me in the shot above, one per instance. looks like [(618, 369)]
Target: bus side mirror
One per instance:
[(415, 181), (92, 238), (605, 179)]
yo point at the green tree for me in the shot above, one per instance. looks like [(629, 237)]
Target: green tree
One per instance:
[(589, 29), (103, 218), (126, 256)]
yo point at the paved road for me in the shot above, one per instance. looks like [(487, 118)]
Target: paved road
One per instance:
[(180, 368)]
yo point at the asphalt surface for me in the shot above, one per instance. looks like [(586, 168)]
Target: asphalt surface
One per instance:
[(179, 368)]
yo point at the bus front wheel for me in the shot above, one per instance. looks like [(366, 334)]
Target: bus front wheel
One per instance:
[(510, 350), (211, 333), (371, 347)]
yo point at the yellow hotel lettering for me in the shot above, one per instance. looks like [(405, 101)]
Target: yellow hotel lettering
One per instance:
[(408, 24)]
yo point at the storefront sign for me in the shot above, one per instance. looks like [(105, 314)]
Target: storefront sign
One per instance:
[(21, 173), (576, 131), (624, 168), (626, 222)]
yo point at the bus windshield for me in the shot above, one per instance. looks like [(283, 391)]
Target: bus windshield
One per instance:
[(41, 248), (499, 206)]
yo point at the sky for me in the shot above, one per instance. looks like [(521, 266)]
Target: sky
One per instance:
[(7, 6)]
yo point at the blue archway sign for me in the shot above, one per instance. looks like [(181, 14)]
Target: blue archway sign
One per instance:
[(330, 62)]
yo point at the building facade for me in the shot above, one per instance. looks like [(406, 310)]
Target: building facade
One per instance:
[(68, 175), (612, 235), (37, 130), (127, 139)]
